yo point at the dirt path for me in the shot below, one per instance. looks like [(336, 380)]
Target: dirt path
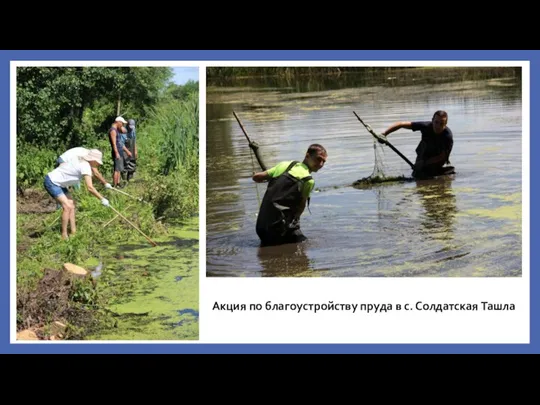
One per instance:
[(33, 201)]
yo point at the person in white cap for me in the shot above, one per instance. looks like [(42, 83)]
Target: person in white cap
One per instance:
[(68, 174), (79, 152), (117, 148)]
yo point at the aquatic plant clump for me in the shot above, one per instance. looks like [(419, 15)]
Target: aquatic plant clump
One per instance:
[(378, 168), (380, 179), (379, 174)]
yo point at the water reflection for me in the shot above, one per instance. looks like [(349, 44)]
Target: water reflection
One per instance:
[(284, 260), (439, 202), (222, 167)]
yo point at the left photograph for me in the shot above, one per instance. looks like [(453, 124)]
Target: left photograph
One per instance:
[(107, 203)]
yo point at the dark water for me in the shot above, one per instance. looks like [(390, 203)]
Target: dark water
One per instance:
[(465, 225)]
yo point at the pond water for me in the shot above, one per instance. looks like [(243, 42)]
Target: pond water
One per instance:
[(465, 225), (159, 285)]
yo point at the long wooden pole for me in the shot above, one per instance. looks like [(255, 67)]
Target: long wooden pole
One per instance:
[(372, 132), (129, 195), (110, 221), (133, 225), (253, 145)]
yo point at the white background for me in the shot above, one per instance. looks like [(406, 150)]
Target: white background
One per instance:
[(331, 326)]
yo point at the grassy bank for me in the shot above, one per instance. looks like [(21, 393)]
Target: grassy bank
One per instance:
[(167, 182)]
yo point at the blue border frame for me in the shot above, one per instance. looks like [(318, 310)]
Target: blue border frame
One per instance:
[(533, 56)]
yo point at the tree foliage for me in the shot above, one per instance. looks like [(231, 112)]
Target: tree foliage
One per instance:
[(62, 107), (182, 93)]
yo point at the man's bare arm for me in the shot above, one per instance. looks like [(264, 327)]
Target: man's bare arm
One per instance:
[(260, 177), (396, 126), (301, 207), (112, 134)]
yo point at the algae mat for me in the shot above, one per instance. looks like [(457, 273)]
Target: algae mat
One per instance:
[(159, 289)]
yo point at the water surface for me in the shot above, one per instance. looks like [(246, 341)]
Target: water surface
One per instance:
[(159, 287), (464, 225)]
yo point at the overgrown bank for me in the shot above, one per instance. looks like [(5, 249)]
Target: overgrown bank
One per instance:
[(388, 76), (166, 181)]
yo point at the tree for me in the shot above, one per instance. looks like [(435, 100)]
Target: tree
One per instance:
[(61, 107)]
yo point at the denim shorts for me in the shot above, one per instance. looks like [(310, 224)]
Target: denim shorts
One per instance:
[(53, 189)]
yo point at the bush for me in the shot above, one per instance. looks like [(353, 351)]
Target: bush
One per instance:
[(33, 164)]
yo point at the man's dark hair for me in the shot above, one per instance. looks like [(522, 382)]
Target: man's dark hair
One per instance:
[(314, 148), (441, 113)]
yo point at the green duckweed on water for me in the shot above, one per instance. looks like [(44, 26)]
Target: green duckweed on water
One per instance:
[(317, 108), (264, 116), (312, 108), (490, 149), (159, 287), (513, 198), (457, 190), (509, 212)]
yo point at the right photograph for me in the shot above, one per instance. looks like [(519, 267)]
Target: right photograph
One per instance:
[(364, 171)]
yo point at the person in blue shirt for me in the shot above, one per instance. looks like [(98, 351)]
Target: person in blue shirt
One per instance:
[(130, 160), (117, 139)]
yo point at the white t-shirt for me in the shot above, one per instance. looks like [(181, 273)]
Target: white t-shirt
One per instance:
[(74, 153), (70, 173)]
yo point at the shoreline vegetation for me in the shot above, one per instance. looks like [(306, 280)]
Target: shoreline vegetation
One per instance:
[(61, 292), (230, 75)]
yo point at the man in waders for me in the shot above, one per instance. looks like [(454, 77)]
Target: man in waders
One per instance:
[(433, 151), (130, 159), (290, 185)]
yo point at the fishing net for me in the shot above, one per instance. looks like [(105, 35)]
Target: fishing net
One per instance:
[(382, 171), (379, 169)]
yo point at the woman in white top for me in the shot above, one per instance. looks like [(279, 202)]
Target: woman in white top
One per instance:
[(69, 174), (76, 154), (73, 153)]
